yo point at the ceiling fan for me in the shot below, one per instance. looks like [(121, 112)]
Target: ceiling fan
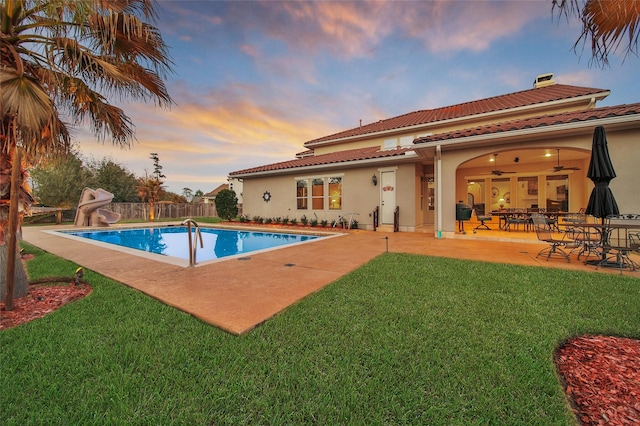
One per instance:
[(495, 170), (560, 168)]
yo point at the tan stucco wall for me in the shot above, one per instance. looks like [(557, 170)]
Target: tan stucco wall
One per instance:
[(405, 197), (624, 149), (359, 196)]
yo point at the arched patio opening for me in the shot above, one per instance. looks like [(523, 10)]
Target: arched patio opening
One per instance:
[(550, 177)]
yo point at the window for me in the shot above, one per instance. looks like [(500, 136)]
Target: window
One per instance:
[(557, 193), (390, 143), (301, 194), (326, 193), (406, 141), (335, 193), (317, 194)]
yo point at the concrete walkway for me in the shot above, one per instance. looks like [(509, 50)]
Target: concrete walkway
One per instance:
[(238, 294)]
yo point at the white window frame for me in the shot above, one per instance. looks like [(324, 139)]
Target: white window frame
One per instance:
[(326, 197)]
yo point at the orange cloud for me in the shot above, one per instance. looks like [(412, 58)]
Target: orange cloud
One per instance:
[(239, 125)]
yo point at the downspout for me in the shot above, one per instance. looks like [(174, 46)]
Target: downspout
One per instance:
[(438, 170)]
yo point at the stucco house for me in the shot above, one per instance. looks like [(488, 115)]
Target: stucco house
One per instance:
[(525, 149), (210, 197)]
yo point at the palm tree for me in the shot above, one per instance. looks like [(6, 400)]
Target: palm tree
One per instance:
[(149, 190), (61, 60), (605, 24)]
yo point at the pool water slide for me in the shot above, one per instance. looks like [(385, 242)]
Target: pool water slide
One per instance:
[(89, 211)]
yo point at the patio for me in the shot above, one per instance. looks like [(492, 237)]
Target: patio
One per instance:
[(237, 295)]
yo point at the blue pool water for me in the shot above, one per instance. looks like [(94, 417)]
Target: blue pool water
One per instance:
[(174, 241)]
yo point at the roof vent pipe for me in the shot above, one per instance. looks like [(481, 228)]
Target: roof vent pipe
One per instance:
[(544, 80)]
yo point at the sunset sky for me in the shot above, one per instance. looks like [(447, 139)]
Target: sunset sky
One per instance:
[(254, 80)]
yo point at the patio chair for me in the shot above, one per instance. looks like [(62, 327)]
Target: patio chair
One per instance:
[(571, 219), (543, 232), (482, 219), (516, 218), (551, 218), (587, 240)]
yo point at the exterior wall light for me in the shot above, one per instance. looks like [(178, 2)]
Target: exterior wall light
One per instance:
[(374, 179)]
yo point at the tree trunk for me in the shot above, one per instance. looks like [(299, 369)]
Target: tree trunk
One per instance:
[(21, 284), (13, 279), (152, 211)]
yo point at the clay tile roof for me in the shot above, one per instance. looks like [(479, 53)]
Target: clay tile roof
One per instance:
[(306, 153), (497, 103), (369, 153), (533, 122), (217, 190)]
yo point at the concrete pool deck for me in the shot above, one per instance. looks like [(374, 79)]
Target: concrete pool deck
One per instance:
[(238, 294)]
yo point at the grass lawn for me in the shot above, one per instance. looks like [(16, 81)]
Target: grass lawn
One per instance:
[(404, 339)]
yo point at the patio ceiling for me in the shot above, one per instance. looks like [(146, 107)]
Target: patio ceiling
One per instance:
[(547, 156)]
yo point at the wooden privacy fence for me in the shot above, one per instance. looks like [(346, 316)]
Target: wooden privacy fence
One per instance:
[(163, 211)]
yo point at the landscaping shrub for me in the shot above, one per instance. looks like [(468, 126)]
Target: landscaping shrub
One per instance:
[(226, 204)]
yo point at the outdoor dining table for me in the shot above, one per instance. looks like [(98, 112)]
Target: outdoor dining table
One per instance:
[(503, 218), (622, 242), (504, 215)]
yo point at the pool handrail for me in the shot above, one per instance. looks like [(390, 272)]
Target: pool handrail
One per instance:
[(193, 244)]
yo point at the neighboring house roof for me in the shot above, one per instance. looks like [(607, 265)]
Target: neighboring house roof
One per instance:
[(535, 96), (360, 154), (215, 192), (536, 122)]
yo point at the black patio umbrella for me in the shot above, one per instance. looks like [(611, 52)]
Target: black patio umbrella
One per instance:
[(602, 203)]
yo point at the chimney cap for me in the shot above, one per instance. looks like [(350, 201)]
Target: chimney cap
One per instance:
[(544, 80)]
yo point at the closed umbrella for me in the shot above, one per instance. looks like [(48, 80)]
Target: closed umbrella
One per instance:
[(602, 203)]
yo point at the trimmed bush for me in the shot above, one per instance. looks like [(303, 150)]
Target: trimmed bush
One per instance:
[(226, 204)]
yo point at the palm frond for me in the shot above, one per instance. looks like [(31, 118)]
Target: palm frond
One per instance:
[(24, 99), (607, 26), (69, 57)]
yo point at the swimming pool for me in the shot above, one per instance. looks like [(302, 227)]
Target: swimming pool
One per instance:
[(173, 241)]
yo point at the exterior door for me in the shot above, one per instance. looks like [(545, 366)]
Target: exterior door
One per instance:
[(388, 196), (428, 199)]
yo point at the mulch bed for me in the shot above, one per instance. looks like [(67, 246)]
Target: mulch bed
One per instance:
[(601, 377), (39, 301)]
